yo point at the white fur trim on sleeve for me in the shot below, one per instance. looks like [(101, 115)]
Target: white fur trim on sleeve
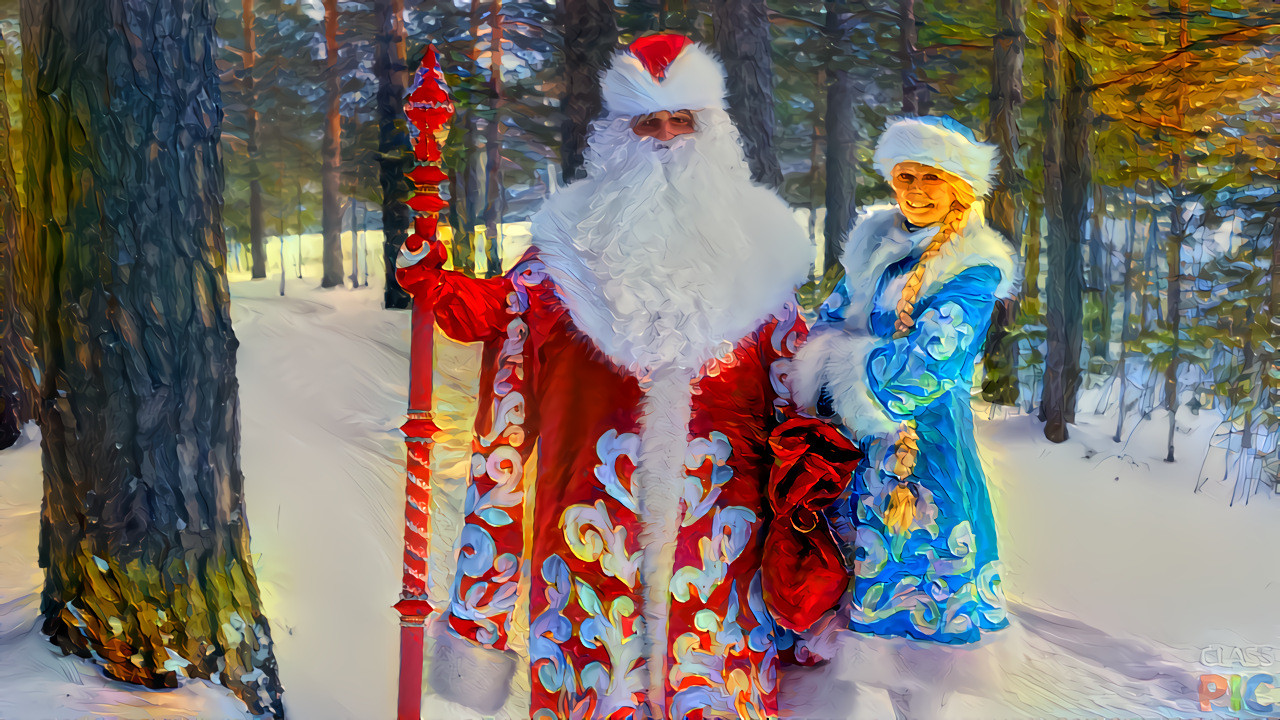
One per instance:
[(838, 360)]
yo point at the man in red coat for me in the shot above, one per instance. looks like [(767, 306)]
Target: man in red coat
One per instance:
[(640, 347)]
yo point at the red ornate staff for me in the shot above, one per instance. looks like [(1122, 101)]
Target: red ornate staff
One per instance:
[(428, 108)]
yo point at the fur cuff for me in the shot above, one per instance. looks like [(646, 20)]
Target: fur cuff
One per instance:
[(837, 359), (469, 675)]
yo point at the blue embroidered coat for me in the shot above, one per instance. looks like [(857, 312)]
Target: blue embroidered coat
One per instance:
[(938, 578)]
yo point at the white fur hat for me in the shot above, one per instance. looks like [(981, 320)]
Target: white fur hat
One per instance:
[(939, 142), (662, 72)]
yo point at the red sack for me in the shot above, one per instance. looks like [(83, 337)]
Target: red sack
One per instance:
[(803, 574)]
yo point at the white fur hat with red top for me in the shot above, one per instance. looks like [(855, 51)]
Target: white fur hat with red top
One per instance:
[(662, 72), (939, 142)]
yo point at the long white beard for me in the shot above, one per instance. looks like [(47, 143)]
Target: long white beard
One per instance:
[(666, 255), (662, 247)]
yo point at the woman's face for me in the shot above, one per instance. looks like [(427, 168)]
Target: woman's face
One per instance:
[(923, 193)]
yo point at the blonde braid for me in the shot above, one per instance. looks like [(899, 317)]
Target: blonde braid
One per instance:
[(951, 226), (902, 499)]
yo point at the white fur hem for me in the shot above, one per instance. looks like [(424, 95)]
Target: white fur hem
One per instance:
[(838, 360)]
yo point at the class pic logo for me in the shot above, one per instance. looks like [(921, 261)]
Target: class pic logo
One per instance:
[(1238, 690)]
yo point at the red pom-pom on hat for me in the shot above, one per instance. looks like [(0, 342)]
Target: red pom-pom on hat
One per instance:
[(656, 52)]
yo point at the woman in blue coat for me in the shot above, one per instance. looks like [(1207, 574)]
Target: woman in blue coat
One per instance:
[(893, 359)]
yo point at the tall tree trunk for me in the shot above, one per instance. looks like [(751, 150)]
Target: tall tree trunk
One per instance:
[(590, 35), (364, 246), (280, 173), (1173, 314), (469, 174), (331, 152), (1029, 296), (1077, 184), (908, 58), (14, 395), (1100, 276), (143, 534), (1000, 384), (742, 39), (298, 237), (817, 148), (842, 141), (1273, 299), (257, 230), (390, 65), (355, 248), (1177, 234), (1130, 238), (1062, 313), (493, 193)]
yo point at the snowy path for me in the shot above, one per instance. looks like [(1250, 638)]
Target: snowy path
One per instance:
[(1119, 574)]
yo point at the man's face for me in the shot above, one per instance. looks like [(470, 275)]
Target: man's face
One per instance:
[(663, 125), (924, 193)]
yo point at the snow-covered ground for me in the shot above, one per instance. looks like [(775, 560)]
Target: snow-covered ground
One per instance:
[(1122, 579)]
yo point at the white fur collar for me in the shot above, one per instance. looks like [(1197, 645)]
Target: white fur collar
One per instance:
[(880, 238), (762, 273)]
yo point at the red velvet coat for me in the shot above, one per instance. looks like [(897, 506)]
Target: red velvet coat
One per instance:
[(544, 384)]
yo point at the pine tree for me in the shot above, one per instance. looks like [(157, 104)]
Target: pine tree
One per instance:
[(590, 35), (256, 227), (392, 69), (14, 402), (1061, 370), (743, 42), (331, 155), (143, 535), (1000, 384)]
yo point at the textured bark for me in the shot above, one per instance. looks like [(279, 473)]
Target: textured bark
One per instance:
[(257, 229), (394, 152), (466, 201), (354, 277), (1000, 382), (142, 535), (1029, 297), (590, 35), (1273, 300), (1077, 187), (331, 161), (1173, 314), (913, 90), (1100, 277), (1130, 239), (842, 142), (1177, 234), (14, 395), (1062, 313), (742, 39), (493, 200)]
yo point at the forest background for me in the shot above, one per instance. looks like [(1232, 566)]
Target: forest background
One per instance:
[(1139, 175)]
